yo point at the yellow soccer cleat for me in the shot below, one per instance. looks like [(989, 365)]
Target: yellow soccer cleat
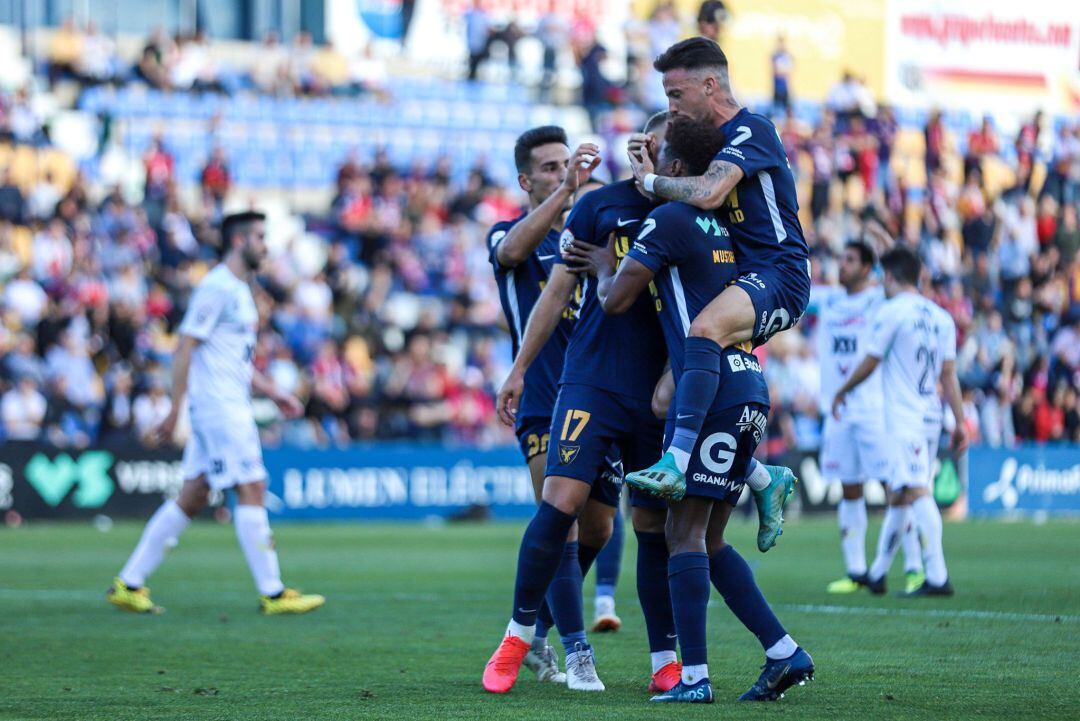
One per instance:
[(134, 600), (847, 584), (290, 601)]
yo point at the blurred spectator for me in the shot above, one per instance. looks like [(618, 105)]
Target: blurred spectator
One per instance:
[(12, 203), (215, 179), (477, 36), (150, 409), (934, 135), (22, 410), (96, 61), (981, 143), (711, 18), (551, 33), (65, 47), (782, 65), (597, 92)]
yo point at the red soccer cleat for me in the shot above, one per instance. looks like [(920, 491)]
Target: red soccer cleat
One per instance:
[(666, 678), (502, 668)]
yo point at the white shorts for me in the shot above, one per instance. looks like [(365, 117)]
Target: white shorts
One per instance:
[(911, 463), (227, 451), (933, 437), (854, 450)]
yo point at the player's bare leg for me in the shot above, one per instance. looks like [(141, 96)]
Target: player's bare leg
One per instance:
[(257, 541), (129, 591)]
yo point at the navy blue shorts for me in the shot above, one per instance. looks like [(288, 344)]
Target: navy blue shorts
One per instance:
[(533, 434), (588, 421), (644, 499), (780, 296), (725, 447)]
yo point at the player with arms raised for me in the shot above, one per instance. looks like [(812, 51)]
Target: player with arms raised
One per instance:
[(750, 184), (915, 353), (213, 367)]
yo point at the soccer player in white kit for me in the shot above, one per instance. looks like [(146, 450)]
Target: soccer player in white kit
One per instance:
[(854, 449), (213, 367), (915, 352)]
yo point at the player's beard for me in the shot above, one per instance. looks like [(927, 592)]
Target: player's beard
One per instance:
[(252, 258)]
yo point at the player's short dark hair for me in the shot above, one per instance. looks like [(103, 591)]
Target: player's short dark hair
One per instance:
[(236, 223), (656, 120), (903, 265), (865, 251), (691, 54), (534, 138), (694, 143)]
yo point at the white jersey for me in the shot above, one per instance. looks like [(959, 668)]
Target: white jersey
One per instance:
[(843, 336), (222, 315), (908, 336), (946, 327)]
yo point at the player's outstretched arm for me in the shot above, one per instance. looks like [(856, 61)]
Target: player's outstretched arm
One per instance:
[(543, 320), (950, 384), (525, 237), (181, 362), (707, 192), (869, 365)]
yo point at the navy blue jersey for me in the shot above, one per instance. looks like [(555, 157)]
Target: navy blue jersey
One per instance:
[(693, 258), (762, 211), (519, 288), (618, 353)]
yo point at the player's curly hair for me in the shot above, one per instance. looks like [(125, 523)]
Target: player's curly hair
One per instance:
[(694, 143), (534, 138)]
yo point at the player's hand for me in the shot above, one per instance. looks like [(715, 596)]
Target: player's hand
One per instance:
[(641, 165), (588, 259), (582, 164), (959, 437), (164, 432), (289, 405), (506, 403), (837, 403), (640, 141)]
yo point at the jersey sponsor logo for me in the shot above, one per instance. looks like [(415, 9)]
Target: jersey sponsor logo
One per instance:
[(725, 257), (717, 452), (753, 421), (845, 344), (733, 151), (707, 224), (568, 453), (640, 247), (739, 364), (752, 279)]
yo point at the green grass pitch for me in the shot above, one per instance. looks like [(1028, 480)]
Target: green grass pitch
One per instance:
[(413, 613)]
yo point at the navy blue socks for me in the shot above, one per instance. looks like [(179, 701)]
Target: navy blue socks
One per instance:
[(695, 392), (652, 587), (609, 561), (688, 579), (735, 581), (565, 596), (539, 559)]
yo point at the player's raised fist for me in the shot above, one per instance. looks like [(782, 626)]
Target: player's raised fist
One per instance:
[(583, 162)]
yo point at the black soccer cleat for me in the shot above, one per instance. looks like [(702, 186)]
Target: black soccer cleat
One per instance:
[(778, 676), (928, 589), (876, 586)]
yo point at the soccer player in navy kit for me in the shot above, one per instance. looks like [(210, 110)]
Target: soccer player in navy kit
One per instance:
[(687, 254), (751, 186), (522, 252), (612, 367)]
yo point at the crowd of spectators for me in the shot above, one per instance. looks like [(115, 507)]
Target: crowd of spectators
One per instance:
[(382, 315)]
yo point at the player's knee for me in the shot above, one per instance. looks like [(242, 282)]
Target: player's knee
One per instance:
[(569, 495), (715, 544), (194, 497), (251, 494), (594, 529), (648, 520), (852, 491)]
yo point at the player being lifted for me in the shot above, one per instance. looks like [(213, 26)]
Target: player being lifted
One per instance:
[(522, 252), (854, 449), (689, 256), (916, 346), (751, 179), (212, 366), (605, 397)]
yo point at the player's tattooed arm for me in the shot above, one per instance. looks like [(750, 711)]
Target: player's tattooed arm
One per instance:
[(543, 320), (708, 191), (869, 365)]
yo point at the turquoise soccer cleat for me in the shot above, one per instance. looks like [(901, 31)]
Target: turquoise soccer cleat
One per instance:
[(771, 502), (700, 692), (662, 478)]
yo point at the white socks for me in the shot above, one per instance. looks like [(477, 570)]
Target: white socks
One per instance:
[(892, 530), (912, 545), (525, 633), (253, 532), (784, 648), (167, 523), (662, 658), (682, 458), (852, 517), (928, 521), (693, 674), (757, 477)]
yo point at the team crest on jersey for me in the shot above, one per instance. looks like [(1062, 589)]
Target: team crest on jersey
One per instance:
[(753, 421), (567, 453)]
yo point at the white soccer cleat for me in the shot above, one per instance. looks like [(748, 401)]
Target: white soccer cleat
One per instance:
[(545, 665), (605, 620), (581, 670)]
